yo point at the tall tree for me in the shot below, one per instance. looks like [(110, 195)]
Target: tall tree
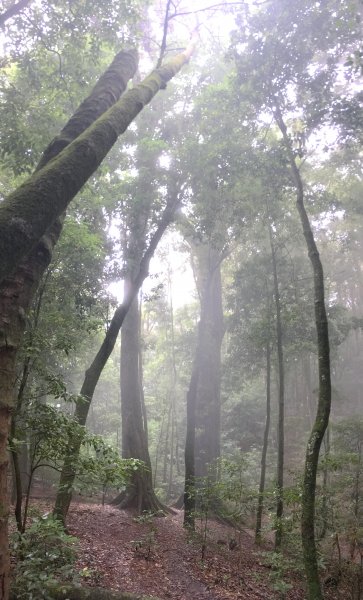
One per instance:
[(29, 212), (289, 73), (281, 387)]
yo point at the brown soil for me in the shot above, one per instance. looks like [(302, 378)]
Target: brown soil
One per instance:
[(157, 557)]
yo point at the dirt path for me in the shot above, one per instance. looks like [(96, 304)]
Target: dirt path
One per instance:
[(156, 558)]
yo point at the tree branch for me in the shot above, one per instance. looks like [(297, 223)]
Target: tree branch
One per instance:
[(29, 211), (13, 10)]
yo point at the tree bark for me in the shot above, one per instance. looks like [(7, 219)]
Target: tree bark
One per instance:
[(25, 216), (93, 373), (139, 494), (29, 211), (202, 446), (281, 401), (211, 331), (261, 490), (324, 397)]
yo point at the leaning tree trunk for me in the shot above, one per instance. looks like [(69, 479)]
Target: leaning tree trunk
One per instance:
[(17, 288), (25, 216), (31, 210), (324, 398)]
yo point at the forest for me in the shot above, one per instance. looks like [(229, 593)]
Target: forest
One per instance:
[(181, 300)]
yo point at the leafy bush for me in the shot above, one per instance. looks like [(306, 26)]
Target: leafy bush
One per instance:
[(45, 555)]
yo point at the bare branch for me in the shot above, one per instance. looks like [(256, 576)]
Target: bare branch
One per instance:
[(167, 18)]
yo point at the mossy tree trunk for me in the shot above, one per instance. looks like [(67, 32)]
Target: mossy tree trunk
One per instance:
[(18, 287), (31, 210), (34, 210), (324, 398)]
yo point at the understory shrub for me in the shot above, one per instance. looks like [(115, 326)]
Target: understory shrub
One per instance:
[(45, 555)]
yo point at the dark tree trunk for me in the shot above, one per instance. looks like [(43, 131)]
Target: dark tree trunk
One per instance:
[(281, 401), (189, 486), (325, 486), (166, 444), (324, 399), (261, 490)]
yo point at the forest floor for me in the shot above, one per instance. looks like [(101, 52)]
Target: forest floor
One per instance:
[(155, 556)]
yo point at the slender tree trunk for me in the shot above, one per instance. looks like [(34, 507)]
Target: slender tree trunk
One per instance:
[(281, 401), (171, 464), (172, 390), (158, 446), (166, 445), (261, 490), (324, 503), (324, 399), (189, 486)]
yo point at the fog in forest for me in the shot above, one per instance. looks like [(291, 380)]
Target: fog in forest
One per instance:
[(181, 299)]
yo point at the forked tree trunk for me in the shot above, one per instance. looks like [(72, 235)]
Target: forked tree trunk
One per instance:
[(25, 216), (324, 399)]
